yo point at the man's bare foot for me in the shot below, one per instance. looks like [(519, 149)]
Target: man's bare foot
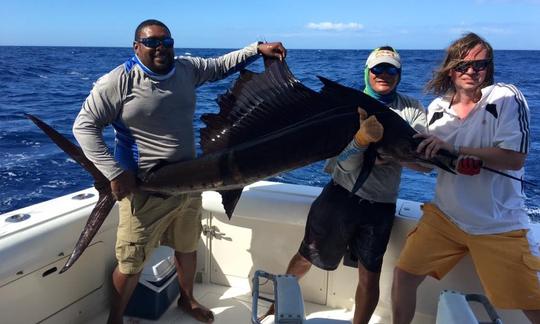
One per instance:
[(269, 312), (196, 310)]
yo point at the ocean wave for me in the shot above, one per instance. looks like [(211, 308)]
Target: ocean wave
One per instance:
[(15, 158), (534, 214), (19, 201), (57, 184), (31, 143)]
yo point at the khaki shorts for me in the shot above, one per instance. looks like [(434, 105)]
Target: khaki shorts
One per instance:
[(146, 221), (508, 264)]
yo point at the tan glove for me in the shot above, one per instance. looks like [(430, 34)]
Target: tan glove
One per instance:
[(370, 129)]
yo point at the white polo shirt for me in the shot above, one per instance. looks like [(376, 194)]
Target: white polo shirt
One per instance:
[(486, 203)]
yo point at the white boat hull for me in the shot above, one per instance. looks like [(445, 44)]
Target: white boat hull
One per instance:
[(264, 233)]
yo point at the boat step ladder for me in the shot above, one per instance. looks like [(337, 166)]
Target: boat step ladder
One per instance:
[(454, 307), (288, 300)]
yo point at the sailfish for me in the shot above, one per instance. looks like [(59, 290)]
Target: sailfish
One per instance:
[(267, 123)]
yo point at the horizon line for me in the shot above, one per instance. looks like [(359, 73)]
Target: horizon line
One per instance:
[(288, 48)]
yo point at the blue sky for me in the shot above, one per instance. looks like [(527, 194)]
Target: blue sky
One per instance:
[(340, 24)]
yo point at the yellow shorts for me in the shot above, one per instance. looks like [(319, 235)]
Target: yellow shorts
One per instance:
[(508, 264), (147, 221)]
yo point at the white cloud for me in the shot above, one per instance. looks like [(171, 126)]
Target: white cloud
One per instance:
[(334, 26)]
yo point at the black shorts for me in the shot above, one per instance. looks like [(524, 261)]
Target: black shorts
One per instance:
[(340, 224)]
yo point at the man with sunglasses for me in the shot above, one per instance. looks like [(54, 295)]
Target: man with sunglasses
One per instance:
[(483, 214), (357, 227), (150, 102)]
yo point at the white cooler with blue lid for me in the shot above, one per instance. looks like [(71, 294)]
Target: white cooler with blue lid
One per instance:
[(157, 288)]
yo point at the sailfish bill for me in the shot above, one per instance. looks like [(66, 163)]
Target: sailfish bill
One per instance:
[(268, 123)]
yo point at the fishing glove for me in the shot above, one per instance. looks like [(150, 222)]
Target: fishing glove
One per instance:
[(468, 165), (370, 129)]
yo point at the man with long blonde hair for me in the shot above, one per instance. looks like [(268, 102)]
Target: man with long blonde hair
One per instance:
[(476, 212)]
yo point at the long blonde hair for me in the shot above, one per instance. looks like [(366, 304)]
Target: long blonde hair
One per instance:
[(441, 84)]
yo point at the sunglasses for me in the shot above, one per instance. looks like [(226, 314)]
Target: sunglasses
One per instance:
[(155, 42), (384, 68), (477, 65)]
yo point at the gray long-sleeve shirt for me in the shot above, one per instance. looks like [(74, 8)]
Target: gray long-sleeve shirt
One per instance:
[(382, 184), (152, 117)]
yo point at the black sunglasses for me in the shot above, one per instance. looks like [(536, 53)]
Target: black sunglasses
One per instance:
[(155, 42), (477, 65), (384, 68)]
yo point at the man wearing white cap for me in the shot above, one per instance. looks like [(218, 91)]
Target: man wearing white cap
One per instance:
[(382, 75), (358, 226)]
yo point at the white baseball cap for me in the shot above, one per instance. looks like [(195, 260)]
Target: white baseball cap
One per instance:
[(379, 56)]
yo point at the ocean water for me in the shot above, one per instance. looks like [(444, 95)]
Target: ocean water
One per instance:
[(52, 83)]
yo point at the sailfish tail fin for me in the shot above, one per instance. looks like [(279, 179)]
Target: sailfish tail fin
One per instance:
[(75, 152), (103, 206), (101, 183)]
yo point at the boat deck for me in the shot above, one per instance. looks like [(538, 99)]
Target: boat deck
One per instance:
[(233, 305)]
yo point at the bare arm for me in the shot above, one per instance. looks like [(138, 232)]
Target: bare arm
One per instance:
[(493, 157), (496, 158), (213, 69)]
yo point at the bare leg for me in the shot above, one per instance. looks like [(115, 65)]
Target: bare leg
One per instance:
[(404, 296), (533, 315), (186, 266), (367, 295), (124, 285), (298, 266)]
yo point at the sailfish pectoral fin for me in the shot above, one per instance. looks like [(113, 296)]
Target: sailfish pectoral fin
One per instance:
[(101, 183), (369, 161), (229, 199)]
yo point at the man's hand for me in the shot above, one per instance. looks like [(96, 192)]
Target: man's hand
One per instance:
[(370, 129), (431, 145), (272, 50), (123, 185), (468, 165)]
